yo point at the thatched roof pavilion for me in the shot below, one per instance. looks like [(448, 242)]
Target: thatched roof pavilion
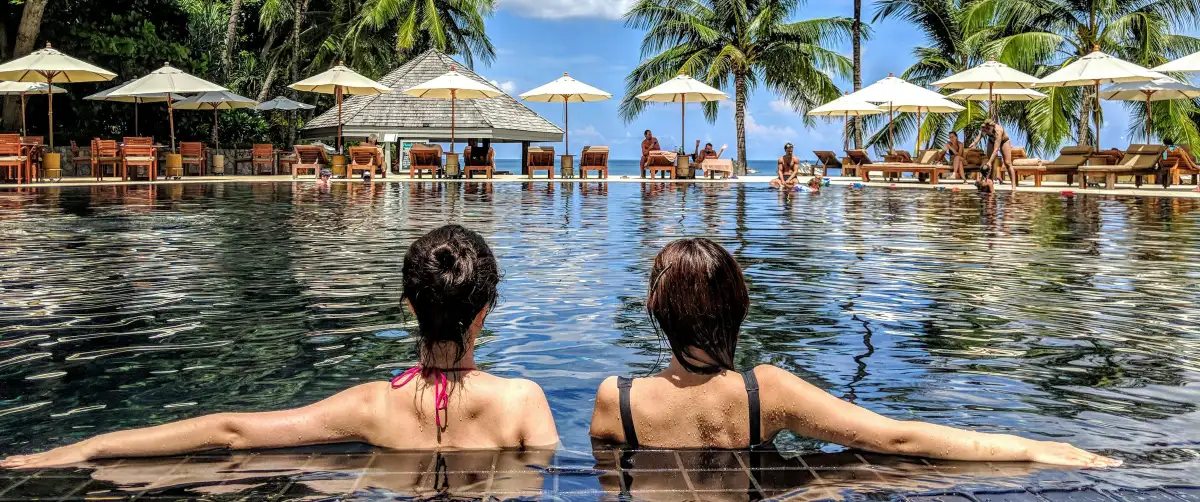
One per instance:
[(503, 119)]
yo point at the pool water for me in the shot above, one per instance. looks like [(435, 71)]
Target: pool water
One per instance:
[(1071, 319)]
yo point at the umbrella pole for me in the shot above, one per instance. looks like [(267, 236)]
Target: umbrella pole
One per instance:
[(917, 150), (1097, 115), (452, 96), (23, 132), (846, 133), (137, 131), (891, 119), (337, 89), (171, 117), (992, 101), (50, 103), (567, 124), (1148, 116), (682, 121), (216, 129)]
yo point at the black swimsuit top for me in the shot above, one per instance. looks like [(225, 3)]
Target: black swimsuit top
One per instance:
[(626, 383)]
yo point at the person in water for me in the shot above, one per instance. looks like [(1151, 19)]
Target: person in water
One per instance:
[(449, 279), (788, 171), (701, 401), (954, 148), (1001, 148)]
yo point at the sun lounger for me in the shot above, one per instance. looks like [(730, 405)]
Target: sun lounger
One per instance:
[(1068, 162), (423, 158), (856, 160), (1138, 161), (309, 158), (472, 167), (541, 158), (363, 158), (594, 158), (928, 164), (660, 161), (825, 160), (1180, 161)]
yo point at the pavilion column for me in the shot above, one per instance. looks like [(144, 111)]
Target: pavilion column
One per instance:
[(524, 158)]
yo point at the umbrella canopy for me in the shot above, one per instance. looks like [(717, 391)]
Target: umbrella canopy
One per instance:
[(11, 88), (566, 90), (990, 75), (50, 66), (1095, 69), (997, 94), (107, 95), (340, 81), (170, 81), (453, 86), (282, 103), (683, 90), (846, 106), (215, 101), (897, 95), (1163, 89), (1189, 64)]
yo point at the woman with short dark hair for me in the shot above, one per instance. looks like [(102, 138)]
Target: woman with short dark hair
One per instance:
[(698, 299)]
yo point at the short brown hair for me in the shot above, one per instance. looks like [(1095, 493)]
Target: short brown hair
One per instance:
[(698, 299)]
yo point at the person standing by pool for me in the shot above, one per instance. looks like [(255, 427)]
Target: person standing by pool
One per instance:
[(649, 144), (701, 401), (1001, 148), (788, 170), (449, 279)]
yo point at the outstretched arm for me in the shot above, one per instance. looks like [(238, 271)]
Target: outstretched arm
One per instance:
[(815, 413), (977, 139), (346, 416)]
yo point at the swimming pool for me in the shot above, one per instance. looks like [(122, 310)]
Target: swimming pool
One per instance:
[(1058, 318)]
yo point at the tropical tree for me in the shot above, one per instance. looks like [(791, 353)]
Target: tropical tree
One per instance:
[(454, 27), (27, 33), (748, 42), (856, 42), (1041, 36)]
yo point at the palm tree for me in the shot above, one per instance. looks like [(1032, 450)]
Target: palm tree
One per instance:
[(454, 27), (1039, 36), (856, 40), (748, 41)]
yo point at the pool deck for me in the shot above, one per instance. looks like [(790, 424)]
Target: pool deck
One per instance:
[(1184, 191)]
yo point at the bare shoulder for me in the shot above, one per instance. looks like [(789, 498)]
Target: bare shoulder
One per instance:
[(605, 421), (607, 395), (525, 389)]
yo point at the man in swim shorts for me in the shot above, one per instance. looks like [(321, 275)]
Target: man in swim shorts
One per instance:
[(788, 169)]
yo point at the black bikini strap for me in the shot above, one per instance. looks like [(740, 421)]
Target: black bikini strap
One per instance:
[(752, 396), (623, 385)]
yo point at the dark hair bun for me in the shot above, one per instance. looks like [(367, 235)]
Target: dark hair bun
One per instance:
[(450, 275)]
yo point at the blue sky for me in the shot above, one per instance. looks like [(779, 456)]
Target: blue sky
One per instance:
[(537, 40)]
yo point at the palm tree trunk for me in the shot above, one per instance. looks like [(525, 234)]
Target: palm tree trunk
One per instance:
[(1085, 116), (297, 21), (856, 37), (27, 33), (268, 82), (235, 10), (739, 90)]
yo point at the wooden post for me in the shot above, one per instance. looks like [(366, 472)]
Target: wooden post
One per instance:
[(524, 158)]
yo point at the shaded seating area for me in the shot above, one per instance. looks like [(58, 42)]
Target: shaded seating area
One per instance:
[(364, 159), (309, 159), (541, 158), (1067, 164), (424, 158), (1180, 161), (660, 162), (1139, 161), (826, 159), (594, 158)]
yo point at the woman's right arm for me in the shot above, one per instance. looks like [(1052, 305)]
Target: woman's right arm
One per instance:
[(815, 413)]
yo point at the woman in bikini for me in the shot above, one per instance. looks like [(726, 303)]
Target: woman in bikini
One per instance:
[(954, 148), (701, 401), (449, 280), (1001, 148)]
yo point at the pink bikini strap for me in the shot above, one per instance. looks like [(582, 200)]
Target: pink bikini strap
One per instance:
[(441, 387)]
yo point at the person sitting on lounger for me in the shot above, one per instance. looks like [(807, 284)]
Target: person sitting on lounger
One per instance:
[(707, 153), (788, 169), (954, 148), (700, 400), (649, 144), (1001, 148)]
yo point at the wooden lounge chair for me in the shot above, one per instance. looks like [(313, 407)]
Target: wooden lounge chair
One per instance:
[(593, 158), (826, 160), (472, 168), (423, 158), (139, 155), (13, 158), (660, 161), (363, 158), (1180, 161), (855, 161), (1138, 161), (262, 158), (193, 155), (106, 152), (1068, 162), (309, 158), (79, 157), (930, 164), (541, 158)]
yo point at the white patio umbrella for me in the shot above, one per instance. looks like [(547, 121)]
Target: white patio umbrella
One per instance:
[(897, 95), (340, 81), (991, 75), (170, 81), (106, 95), (1162, 89), (566, 90), (1186, 64), (24, 89), (454, 86), (683, 90), (846, 106), (50, 66), (215, 101), (282, 103), (1095, 69), (995, 95)]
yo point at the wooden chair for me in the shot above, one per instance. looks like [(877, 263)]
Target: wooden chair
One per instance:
[(33, 150), (137, 154), (1179, 162), (541, 158), (193, 154), (105, 152), (13, 158), (855, 161), (262, 156), (826, 160), (137, 140), (423, 158), (1068, 162), (80, 157), (363, 158), (486, 168), (593, 158), (309, 158), (660, 161), (1138, 161)]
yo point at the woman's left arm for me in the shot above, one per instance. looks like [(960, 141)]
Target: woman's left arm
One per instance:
[(346, 416)]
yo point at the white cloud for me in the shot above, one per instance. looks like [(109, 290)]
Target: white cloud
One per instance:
[(507, 86), (782, 106), (765, 132), (560, 9), (588, 132)]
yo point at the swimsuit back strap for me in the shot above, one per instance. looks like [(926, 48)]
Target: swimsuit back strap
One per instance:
[(755, 408), (623, 385)]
